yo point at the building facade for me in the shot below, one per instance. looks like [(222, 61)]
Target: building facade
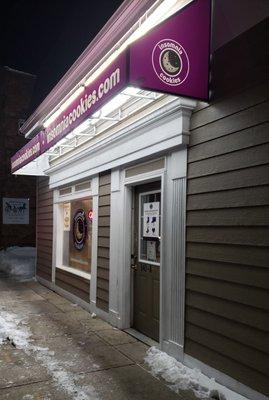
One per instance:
[(16, 89), (153, 213)]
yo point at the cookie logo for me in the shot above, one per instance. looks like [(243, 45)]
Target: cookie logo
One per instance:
[(79, 229), (170, 62)]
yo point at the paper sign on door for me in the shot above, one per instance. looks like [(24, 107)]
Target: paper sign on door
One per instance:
[(151, 227), (151, 250)]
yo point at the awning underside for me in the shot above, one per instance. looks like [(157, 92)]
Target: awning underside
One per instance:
[(123, 106)]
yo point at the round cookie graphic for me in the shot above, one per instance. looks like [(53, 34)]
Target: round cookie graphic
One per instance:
[(79, 229), (170, 62)]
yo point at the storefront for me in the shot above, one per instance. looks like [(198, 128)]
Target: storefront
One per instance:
[(141, 205)]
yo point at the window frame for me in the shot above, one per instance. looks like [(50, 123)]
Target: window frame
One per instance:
[(59, 200)]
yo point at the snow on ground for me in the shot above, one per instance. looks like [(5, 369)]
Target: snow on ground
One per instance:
[(9, 330), (179, 377), (18, 261), (15, 331)]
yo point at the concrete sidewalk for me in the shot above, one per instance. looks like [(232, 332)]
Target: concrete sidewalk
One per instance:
[(69, 354)]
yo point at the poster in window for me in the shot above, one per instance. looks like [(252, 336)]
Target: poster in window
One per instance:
[(15, 211), (67, 216), (80, 235), (151, 226)]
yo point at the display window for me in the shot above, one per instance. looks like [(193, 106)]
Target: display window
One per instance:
[(77, 234), (75, 229)]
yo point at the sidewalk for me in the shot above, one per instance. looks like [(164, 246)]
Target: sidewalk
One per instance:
[(53, 349)]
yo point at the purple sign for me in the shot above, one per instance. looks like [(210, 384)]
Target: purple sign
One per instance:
[(26, 154), (95, 95), (174, 56)]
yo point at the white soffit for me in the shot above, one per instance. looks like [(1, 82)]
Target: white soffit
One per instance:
[(125, 104), (35, 167)]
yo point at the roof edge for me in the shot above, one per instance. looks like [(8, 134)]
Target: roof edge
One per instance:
[(119, 23)]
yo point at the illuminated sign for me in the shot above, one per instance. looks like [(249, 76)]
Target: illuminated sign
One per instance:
[(172, 58), (95, 95)]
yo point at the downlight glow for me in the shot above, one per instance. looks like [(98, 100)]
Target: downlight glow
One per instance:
[(111, 113), (145, 24), (70, 99), (163, 11)]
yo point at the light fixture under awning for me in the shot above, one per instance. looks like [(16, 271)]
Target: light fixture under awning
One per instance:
[(121, 107), (35, 167), (172, 58)]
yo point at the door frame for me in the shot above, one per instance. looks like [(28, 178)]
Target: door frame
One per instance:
[(172, 274), (139, 247), (126, 303)]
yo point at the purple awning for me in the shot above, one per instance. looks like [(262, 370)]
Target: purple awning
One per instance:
[(172, 58)]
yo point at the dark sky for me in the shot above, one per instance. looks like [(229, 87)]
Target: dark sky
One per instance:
[(46, 37)]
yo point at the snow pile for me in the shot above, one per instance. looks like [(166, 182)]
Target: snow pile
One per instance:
[(14, 330), (181, 377), (9, 330), (18, 261)]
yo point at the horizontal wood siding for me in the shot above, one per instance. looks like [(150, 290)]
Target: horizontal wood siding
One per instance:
[(74, 284), (44, 228), (227, 266), (102, 298)]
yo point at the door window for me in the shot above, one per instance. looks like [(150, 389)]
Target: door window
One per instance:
[(150, 227)]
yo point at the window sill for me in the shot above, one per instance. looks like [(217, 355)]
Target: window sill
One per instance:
[(82, 274)]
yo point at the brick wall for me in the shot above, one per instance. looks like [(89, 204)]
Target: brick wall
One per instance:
[(15, 95)]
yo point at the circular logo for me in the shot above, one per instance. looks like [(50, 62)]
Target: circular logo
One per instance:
[(170, 62), (79, 229)]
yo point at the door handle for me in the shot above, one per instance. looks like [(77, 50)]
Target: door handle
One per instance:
[(133, 262)]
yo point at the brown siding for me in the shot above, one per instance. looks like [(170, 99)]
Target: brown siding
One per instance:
[(227, 274), (44, 228), (102, 299), (74, 284), (227, 281)]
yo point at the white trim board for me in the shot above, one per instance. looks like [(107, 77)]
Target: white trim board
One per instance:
[(172, 272), (95, 200), (74, 271), (162, 130)]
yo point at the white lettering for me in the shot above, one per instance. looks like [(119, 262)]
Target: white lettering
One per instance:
[(84, 104)]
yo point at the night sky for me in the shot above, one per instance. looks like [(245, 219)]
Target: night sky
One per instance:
[(45, 37)]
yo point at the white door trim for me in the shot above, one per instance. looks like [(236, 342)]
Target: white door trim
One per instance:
[(172, 271), (127, 305)]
